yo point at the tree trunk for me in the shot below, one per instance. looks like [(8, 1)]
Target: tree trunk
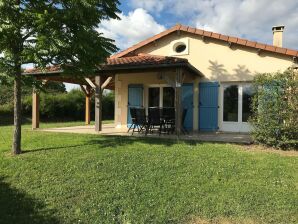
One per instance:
[(17, 49), (16, 146)]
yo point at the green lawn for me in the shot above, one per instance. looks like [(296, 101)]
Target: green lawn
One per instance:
[(68, 178)]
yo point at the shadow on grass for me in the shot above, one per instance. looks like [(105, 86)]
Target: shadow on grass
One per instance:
[(55, 148), (6, 120), (104, 142), (17, 207), (115, 141)]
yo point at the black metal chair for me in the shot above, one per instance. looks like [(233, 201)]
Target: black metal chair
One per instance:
[(154, 119), (184, 130), (173, 124), (168, 115), (141, 120), (133, 118)]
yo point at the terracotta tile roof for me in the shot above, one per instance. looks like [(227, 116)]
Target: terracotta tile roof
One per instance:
[(147, 61), (144, 59), (138, 60), (49, 69), (235, 40)]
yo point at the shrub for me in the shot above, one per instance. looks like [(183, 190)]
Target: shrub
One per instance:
[(63, 106), (275, 109), (6, 91), (108, 106), (68, 106)]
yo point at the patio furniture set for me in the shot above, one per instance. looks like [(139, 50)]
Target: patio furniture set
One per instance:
[(158, 119)]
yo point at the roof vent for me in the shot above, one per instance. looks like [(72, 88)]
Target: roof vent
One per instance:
[(277, 35)]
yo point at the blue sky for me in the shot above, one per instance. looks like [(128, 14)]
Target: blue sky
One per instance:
[(251, 19)]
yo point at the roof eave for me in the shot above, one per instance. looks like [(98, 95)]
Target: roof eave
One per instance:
[(212, 35), (125, 69), (133, 68), (43, 73)]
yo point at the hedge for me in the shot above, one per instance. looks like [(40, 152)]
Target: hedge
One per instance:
[(64, 106), (275, 109)]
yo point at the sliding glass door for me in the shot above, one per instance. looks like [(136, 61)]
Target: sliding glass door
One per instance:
[(236, 107), (161, 96), (153, 97), (168, 98)]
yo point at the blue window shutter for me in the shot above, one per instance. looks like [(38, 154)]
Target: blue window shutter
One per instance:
[(135, 99), (208, 106), (187, 103)]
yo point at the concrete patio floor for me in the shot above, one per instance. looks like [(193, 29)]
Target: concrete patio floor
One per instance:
[(110, 130)]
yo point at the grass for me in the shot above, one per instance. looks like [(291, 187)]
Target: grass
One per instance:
[(68, 178)]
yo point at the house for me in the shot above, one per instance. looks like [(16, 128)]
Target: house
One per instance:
[(218, 94), (208, 74)]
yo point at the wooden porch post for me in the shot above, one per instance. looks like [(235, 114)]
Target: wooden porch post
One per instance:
[(178, 105), (35, 109), (88, 106), (98, 104)]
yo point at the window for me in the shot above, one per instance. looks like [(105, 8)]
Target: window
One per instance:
[(153, 100), (230, 106), (168, 97), (247, 95), (236, 105), (180, 48), (161, 97)]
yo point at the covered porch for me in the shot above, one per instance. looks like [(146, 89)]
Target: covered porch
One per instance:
[(119, 74)]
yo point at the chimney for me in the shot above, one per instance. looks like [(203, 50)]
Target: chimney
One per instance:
[(277, 35)]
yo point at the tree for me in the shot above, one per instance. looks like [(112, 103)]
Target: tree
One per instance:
[(51, 32)]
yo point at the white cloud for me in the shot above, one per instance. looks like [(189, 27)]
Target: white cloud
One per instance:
[(70, 86), (132, 28), (150, 5), (250, 19), (27, 66)]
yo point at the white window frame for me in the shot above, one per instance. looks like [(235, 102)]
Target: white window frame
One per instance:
[(160, 86), (174, 43), (233, 126)]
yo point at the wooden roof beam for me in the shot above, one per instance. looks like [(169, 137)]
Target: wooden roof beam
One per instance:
[(107, 82)]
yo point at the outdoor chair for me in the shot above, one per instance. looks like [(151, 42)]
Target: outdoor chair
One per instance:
[(184, 130), (168, 115), (133, 118), (154, 119), (140, 121), (172, 123)]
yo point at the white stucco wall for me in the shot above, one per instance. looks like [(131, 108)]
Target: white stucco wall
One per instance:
[(217, 61), (214, 58)]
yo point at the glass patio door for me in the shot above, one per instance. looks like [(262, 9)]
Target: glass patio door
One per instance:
[(153, 97), (236, 101), (161, 96)]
